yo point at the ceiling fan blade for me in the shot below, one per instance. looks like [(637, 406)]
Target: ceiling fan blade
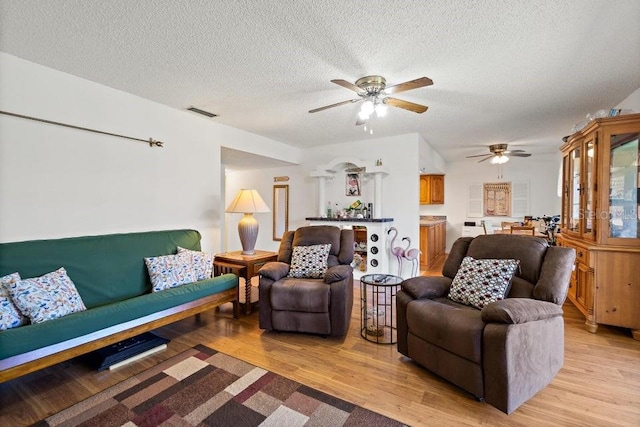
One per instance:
[(416, 108), (479, 155), (413, 84), (513, 151), (350, 101), (348, 85), (520, 154), (485, 159), (360, 122)]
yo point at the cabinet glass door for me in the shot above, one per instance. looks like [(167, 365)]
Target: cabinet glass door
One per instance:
[(589, 196), (624, 186), (575, 160)]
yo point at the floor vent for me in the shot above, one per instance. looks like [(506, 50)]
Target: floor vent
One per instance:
[(204, 113)]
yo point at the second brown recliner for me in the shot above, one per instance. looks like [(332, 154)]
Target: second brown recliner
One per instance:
[(509, 349), (305, 304)]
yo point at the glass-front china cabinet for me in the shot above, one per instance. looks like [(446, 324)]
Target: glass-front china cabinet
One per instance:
[(601, 220)]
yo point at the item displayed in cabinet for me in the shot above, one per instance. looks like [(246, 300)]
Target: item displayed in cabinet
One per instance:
[(600, 204)]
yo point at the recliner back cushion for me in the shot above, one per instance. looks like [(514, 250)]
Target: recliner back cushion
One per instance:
[(341, 243), (530, 251), (456, 255)]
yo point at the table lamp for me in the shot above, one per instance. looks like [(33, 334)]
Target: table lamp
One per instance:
[(247, 202)]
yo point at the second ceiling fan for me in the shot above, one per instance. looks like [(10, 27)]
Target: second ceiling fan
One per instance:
[(374, 92), (499, 153)]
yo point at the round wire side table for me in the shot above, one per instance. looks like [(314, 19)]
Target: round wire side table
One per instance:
[(377, 307)]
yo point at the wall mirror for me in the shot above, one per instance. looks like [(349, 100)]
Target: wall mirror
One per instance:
[(280, 211)]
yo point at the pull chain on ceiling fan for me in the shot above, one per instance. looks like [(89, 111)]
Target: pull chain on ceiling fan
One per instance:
[(499, 153), (374, 92)]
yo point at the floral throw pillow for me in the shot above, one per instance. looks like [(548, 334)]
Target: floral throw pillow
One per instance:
[(309, 261), (169, 271), (481, 281), (10, 316), (46, 297), (202, 262)]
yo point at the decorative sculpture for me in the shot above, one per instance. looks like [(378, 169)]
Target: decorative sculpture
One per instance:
[(397, 251), (413, 255)]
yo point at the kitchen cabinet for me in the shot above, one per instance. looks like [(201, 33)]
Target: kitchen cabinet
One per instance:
[(431, 189), (433, 242), (600, 220)]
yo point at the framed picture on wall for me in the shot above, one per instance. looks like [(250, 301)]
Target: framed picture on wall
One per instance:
[(353, 184), (497, 199)]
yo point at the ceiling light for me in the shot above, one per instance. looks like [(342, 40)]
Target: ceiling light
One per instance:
[(381, 110), (499, 159), (367, 107), (363, 115)]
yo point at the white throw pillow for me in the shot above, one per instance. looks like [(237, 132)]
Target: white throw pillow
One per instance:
[(46, 297), (309, 261), (169, 271), (481, 281), (202, 262), (10, 316)]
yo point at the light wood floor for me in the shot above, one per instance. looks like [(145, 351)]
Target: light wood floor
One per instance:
[(598, 385)]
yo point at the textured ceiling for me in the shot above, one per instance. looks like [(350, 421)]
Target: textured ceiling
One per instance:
[(520, 72)]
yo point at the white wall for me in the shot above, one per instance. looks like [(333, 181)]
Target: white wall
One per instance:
[(59, 182), (400, 188), (540, 170), (631, 104)]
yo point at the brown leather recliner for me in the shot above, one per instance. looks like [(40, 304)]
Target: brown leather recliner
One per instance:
[(319, 306), (510, 349)]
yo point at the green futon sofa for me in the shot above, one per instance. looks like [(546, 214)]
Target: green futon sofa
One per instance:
[(111, 277)]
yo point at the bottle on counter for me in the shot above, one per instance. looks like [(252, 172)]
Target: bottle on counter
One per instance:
[(328, 209)]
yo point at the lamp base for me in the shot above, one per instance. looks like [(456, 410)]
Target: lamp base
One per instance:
[(248, 230)]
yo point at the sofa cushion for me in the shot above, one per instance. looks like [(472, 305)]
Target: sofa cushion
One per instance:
[(202, 262), (306, 295), (47, 297), (479, 282), (169, 271), (309, 261), (90, 261), (10, 316), (451, 326), (32, 337)]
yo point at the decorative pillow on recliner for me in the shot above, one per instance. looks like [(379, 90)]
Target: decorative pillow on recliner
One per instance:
[(46, 297), (10, 316), (202, 262), (481, 281), (309, 261), (169, 271)]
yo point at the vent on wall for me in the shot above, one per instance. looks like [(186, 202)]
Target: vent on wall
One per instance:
[(199, 111)]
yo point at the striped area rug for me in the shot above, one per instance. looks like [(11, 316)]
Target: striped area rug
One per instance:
[(204, 387)]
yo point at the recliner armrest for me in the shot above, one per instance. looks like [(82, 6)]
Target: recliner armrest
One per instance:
[(429, 287), (274, 270), (337, 273), (519, 310)]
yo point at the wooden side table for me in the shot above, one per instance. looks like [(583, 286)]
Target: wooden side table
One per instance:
[(245, 266)]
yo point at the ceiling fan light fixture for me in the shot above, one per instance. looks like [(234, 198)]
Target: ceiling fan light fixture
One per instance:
[(363, 116), (367, 107), (500, 159), (381, 110)]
